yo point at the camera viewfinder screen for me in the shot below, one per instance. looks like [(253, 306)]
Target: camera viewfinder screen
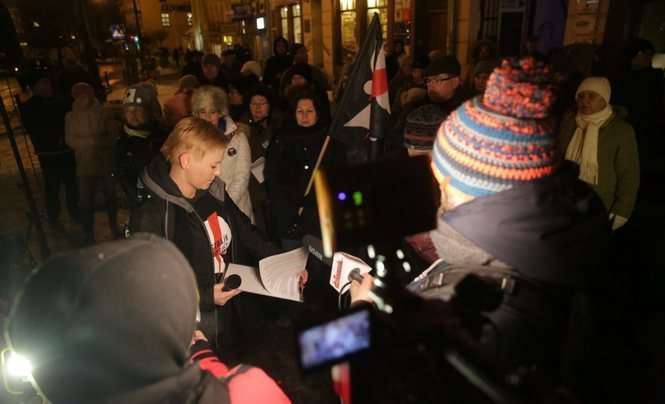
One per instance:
[(334, 341)]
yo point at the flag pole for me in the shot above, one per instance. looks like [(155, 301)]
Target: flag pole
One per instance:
[(326, 143), (319, 159)]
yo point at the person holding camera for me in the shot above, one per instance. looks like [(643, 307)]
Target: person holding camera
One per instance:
[(514, 210), (114, 323), (188, 204)]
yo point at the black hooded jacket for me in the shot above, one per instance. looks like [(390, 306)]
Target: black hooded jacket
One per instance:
[(552, 237), (552, 231), (165, 207), (113, 323)]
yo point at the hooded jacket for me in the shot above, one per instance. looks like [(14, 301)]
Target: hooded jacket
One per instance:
[(551, 231), (113, 323), (551, 236), (158, 215)]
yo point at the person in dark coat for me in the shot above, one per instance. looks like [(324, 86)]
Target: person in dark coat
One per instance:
[(73, 72), (213, 73), (639, 88), (533, 225), (43, 117), (290, 163), (444, 91), (118, 319), (277, 64), (263, 119), (189, 206), (139, 141), (192, 64)]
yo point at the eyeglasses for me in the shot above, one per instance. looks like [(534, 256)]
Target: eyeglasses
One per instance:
[(437, 79)]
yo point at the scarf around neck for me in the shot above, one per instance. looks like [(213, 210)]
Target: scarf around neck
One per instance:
[(583, 148)]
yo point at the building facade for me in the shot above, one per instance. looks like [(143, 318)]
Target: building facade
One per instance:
[(162, 23), (332, 30)]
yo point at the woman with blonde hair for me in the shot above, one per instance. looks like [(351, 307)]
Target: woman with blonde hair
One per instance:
[(211, 103)]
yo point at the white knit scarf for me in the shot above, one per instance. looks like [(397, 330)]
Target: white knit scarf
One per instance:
[(583, 148)]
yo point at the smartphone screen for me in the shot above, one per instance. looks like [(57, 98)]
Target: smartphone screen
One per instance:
[(334, 341)]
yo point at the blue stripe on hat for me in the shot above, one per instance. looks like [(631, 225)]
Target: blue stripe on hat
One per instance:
[(468, 149), (464, 181), (503, 136)]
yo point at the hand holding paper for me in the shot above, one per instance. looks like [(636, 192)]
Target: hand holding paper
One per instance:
[(282, 275)]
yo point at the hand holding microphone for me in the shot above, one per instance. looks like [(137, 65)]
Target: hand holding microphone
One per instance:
[(223, 292), (361, 286)]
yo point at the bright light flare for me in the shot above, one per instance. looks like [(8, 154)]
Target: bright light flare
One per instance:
[(18, 366)]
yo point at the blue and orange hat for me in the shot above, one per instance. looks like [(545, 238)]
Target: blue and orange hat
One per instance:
[(502, 138)]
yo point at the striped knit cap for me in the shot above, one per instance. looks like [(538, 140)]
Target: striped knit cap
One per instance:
[(496, 141), (421, 127)]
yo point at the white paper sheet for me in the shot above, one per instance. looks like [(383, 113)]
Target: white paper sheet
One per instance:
[(257, 169), (249, 279), (279, 273)]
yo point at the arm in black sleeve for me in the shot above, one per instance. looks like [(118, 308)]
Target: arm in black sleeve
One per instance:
[(249, 236)]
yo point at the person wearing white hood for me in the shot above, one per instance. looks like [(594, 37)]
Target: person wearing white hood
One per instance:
[(603, 144)]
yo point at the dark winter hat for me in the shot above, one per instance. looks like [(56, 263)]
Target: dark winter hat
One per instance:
[(259, 89), (144, 95), (302, 69), (485, 66), (211, 59), (493, 143), (110, 318), (421, 126), (445, 65)]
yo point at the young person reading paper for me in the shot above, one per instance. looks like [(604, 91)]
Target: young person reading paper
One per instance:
[(188, 205)]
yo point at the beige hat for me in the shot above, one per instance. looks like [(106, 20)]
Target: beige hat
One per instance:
[(599, 85)]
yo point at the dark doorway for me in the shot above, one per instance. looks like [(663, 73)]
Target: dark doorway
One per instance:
[(510, 34)]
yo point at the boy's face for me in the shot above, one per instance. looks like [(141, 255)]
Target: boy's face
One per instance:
[(201, 172), (134, 115)]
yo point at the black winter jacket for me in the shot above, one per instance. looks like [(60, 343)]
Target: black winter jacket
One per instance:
[(158, 215)]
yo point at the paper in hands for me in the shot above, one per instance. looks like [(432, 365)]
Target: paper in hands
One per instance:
[(277, 275), (342, 266)]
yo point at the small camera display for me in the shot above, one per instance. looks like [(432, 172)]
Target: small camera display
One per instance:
[(334, 341)]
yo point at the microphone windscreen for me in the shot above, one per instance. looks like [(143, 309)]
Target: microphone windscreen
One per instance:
[(232, 282)]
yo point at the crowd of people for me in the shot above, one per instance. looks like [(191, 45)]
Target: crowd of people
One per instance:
[(534, 187)]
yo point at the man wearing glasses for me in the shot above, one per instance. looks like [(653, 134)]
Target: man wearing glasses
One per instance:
[(420, 120)]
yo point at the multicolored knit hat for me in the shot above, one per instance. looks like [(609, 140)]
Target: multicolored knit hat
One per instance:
[(421, 126), (501, 139)]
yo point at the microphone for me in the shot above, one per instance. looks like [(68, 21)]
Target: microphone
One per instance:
[(231, 282), (355, 275), (314, 246), (342, 267)]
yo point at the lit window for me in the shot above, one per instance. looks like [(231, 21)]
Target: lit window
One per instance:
[(380, 7), (347, 19), (284, 14), (166, 20), (190, 20), (297, 27)]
